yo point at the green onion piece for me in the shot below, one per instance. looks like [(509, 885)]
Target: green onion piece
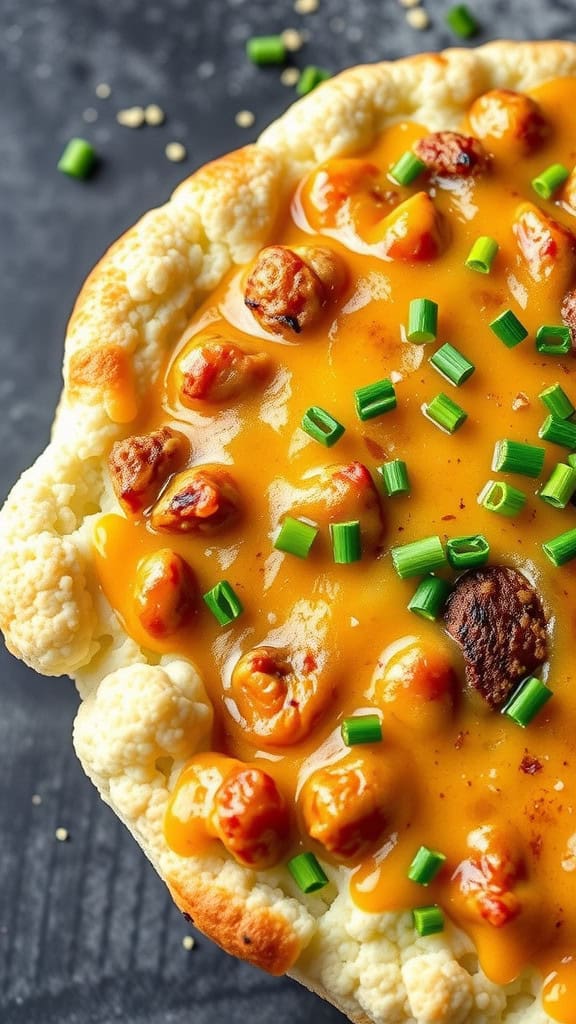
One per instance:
[(418, 557), (223, 603), (482, 253), (78, 159), (296, 537), (571, 460), (425, 865), (558, 490), (266, 50), (307, 873), (430, 597), (361, 729), (321, 426), (561, 549), (467, 552), (553, 340), (509, 329), (547, 182), (558, 432), (422, 321), (528, 700), (395, 477), (407, 168), (445, 413), (375, 399), (346, 542), (557, 402), (517, 457), (462, 22), (502, 498), (448, 361), (310, 78), (428, 920)]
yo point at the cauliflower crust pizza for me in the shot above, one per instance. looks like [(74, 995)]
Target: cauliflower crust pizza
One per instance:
[(305, 539)]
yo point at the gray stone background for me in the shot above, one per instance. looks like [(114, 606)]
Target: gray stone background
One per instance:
[(88, 934)]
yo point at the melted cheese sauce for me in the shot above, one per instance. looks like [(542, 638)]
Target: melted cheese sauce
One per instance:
[(468, 774)]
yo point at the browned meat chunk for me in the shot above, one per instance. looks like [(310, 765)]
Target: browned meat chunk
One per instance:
[(451, 155), (201, 500), (288, 289), (508, 122), (568, 312), (140, 465), (496, 617), (165, 593), (215, 370)]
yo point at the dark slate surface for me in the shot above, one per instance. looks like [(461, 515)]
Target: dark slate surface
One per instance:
[(87, 932)]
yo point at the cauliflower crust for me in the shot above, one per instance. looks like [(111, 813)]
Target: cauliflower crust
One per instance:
[(131, 310)]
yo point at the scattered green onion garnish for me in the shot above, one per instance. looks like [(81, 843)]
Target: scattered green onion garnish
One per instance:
[(395, 477), (430, 597), (375, 399), (425, 866), (558, 490), (453, 366), (428, 920), (418, 557), (346, 542), (407, 168), (462, 22), (502, 498), (422, 321), (547, 182), (561, 549), (517, 457), (553, 340), (266, 50), (361, 729), (224, 604), (321, 426), (558, 432), (78, 159), (310, 78), (557, 402), (307, 873), (509, 328), (528, 700), (445, 413), (571, 460), (467, 552), (296, 537), (482, 253)]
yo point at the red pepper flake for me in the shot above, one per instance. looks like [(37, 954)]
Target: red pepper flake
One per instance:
[(446, 519), (376, 450), (530, 765), (536, 845), (459, 741)]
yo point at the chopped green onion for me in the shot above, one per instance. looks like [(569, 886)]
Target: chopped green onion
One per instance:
[(462, 22), (425, 865), (428, 920), (78, 159), (482, 253), (547, 182), (448, 361), (553, 340), (422, 321), (296, 537), (445, 413), (346, 542), (430, 597), (407, 168), (266, 50), (321, 426), (561, 549), (311, 77), (558, 432), (467, 552), (307, 873), (571, 460), (517, 457), (361, 729), (528, 700), (418, 557), (375, 399), (557, 402), (502, 498), (395, 477), (224, 604), (509, 328), (558, 490)]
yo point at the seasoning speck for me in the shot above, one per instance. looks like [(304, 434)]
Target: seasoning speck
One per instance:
[(245, 118), (154, 115), (530, 765), (558, 786), (90, 115), (290, 76), (188, 942), (62, 835), (418, 18), (103, 91), (292, 39), (175, 152), (131, 117), (36, 799), (306, 6), (520, 402)]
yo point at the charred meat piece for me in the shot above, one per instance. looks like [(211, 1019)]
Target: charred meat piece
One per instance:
[(288, 289), (251, 818), (451, 155), (201, 500), (140, 465), (497, 619)]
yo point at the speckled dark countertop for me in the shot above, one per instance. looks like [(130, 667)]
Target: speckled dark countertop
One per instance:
[(87, 932)]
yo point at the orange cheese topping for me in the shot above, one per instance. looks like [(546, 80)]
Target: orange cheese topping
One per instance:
[(498, 801)]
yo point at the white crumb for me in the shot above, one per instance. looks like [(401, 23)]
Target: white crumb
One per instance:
[(175, 152), (36, 799), (292, 39), (188, 942), (290, 76), (154, 115), (103, 91), (245, 118), (131, 117), (306, 6), (90, 115), (417, 18), (62, 835)]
